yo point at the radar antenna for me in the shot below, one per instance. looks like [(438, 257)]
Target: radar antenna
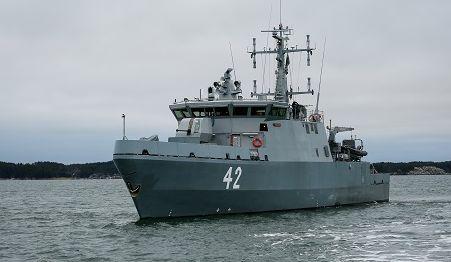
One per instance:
[(281, 51)]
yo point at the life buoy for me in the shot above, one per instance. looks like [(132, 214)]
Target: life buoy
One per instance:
[(257, 142)]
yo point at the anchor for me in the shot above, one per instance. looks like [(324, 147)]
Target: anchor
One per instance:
[(134, 190)]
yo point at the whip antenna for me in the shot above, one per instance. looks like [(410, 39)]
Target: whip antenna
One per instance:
[(266, 56), (123, 128), (320, 76), (280, 11), (233, 63)]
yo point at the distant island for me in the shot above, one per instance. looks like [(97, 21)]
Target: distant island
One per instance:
[(107, 170)]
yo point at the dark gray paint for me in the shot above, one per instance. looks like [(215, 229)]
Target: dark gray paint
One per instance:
[(172, 186)]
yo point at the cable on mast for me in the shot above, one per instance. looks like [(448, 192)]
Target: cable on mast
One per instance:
[(298, 82), (320, 77), (290, 68)]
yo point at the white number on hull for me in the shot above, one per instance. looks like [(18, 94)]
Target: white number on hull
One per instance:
[(228, 178), (237, 172)]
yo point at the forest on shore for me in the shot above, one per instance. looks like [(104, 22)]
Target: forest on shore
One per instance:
[(52, 170)]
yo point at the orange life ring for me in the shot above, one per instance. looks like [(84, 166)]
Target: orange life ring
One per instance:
[(257, 142)]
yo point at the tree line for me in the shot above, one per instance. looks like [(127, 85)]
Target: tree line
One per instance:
[(50, 170), (404, 168)]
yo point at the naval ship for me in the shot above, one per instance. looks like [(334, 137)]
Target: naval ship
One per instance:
[(231, 155)]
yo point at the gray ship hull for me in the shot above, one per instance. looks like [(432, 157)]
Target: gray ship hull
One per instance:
[(164, 186)]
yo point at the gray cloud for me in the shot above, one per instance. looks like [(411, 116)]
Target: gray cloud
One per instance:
[(68, 69)]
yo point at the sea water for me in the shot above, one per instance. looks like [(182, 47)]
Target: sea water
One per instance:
[(95, 220)]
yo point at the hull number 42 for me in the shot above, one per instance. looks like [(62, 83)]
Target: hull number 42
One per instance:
[(229, 179)]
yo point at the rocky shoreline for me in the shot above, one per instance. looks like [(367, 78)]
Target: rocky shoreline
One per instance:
[(424, 171)]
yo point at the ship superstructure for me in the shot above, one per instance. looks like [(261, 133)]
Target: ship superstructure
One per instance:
[(233, 155)]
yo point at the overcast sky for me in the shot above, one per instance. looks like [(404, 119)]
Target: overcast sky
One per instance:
[(69, 69)]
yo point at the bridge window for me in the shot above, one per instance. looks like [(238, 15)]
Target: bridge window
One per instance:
[(278, 112), (182, 113), (240, 111), (198, 112), (178, 114), (221, 111), (258, 111), (209, 111)]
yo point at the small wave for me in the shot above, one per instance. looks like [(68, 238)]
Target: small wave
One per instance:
[(421, 201), (272, 235), (444, 239)]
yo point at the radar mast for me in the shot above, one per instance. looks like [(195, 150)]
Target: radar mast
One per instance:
[(281, 34)]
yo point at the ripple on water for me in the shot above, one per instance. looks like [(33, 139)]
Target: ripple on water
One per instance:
[(94, 220)]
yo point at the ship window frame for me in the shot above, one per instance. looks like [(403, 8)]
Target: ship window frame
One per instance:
[(186, 113), (209, 112), (181, 113), (201, 111), (223, 112), (178, 113), (278, 112), (240, 113), (257, 111)]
